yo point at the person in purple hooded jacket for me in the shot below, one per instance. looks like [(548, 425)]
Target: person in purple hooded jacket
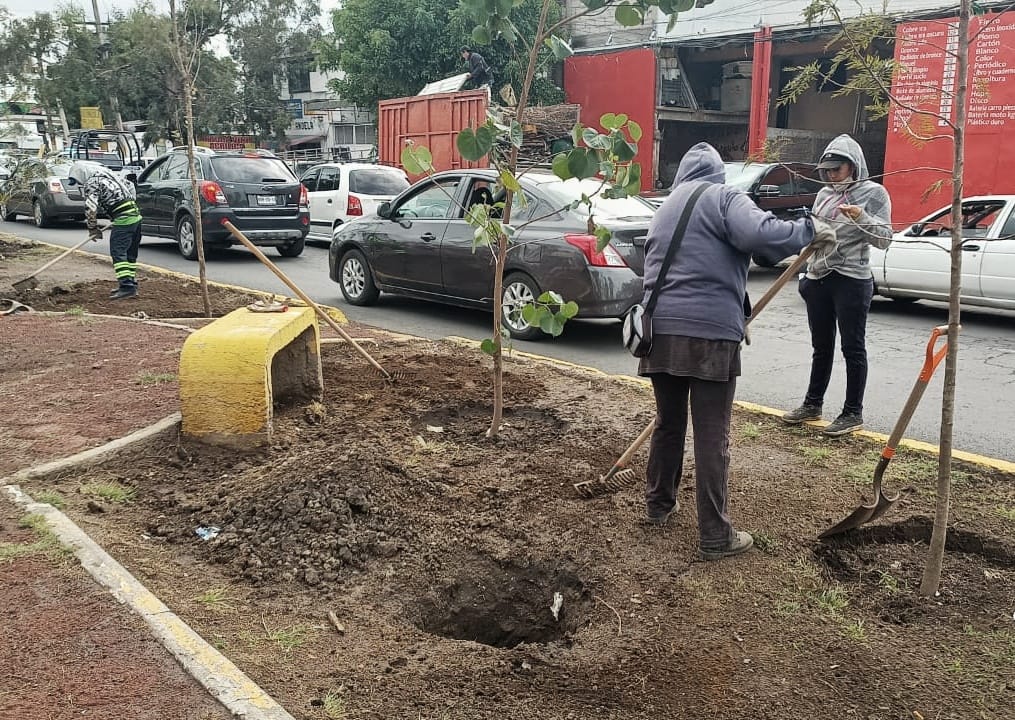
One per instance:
[(697, 328)]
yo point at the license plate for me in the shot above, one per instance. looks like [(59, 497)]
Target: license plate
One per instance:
[(266, 200)]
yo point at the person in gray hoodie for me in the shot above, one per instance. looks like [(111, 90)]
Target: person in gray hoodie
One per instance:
[(697, 328), (838, 285)]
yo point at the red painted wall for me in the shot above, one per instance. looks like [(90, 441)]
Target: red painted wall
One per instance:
[(918, 151), (621, 82)]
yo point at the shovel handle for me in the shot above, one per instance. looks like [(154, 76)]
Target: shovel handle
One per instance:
[(932, 359), (303, 296), (787, 275), (60, 257)]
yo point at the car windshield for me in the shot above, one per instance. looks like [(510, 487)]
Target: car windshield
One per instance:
[(743, 175), (564, 192), (251, 169), (377, 181)]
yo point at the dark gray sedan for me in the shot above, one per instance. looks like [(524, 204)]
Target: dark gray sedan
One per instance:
[(39, 188), (420, 245)]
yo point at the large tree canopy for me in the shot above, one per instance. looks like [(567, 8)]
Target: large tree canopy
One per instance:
[(392, 48)]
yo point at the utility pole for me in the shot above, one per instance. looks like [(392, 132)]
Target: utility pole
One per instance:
[(102, 49)]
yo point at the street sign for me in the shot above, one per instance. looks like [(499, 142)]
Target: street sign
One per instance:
[(295, 108), (91, 118)]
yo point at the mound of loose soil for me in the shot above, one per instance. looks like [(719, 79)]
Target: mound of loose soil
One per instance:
[(467, 579)]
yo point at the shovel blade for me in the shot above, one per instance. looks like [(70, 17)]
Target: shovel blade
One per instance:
[(28, 283), (884, 504), (863, 514)]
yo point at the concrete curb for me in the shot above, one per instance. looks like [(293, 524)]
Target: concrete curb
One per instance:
[(918, 445), (226, 682)]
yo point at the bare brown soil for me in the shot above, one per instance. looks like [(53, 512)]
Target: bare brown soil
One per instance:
[(441, 551)]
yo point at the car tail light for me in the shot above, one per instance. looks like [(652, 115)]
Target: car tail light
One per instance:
[(355, 206), (56, 186), (304, 197), (212, 192), (608, 257)]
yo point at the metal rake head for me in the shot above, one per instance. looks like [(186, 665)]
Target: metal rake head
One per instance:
[(606, 484)]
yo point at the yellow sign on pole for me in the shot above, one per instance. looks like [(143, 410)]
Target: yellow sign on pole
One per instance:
[(91, 118)]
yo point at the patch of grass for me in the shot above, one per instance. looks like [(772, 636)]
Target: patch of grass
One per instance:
[(750, 431), (111, 491), (832, 601), (855, 631), (1008, 513), (217, 599), (288, 639), (50, 497), (765, 543), (334, 706), (891, 584), (75, 311), (788, 607), (46, 542), (816, 455), (146, 378)]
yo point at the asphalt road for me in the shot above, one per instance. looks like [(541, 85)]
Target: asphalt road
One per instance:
[(775, 365)]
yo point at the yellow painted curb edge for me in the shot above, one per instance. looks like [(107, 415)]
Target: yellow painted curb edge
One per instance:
[(972, 458)]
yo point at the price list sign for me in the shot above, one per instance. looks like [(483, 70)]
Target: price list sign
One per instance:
[(919, 150)]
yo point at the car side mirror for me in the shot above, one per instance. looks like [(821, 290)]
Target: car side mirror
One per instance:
[(384, 210), (768, 191)]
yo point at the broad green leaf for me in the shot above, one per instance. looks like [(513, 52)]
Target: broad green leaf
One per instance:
[(683, 5), (633, 184), (554, 297), (551, 325), (582, 163), (516, 133), (610, 121), (475, 144), (629, 15), (560, 167), (488, 346), (623, 150), (504, 7), (530, 314), (481, 35), (602, 237), (576, 134), (595, 140), (560, 48), (509, 181), (416, 159), (569, 309), (635, 130)]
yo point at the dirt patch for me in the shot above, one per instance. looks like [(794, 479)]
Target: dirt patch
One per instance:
[(442, 554)]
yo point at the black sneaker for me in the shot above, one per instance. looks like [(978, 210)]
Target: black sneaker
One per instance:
[(802, 413), (123, 292), (845, 423), (659, 520)]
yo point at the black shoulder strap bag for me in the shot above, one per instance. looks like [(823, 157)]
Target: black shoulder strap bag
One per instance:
[(637, 328)]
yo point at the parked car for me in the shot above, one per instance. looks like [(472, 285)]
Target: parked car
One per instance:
[(778, 187), (39, 188), (340, 192), (254, 190), (917, 264), (420, 245)]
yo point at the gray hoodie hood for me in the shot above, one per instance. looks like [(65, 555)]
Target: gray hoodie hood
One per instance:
[(847, 147), (83, 170), (702, 162)]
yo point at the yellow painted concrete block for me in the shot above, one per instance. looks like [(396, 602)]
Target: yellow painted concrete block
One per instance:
[(232, 369)]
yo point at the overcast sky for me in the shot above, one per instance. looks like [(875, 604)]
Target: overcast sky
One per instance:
[(30, 7)]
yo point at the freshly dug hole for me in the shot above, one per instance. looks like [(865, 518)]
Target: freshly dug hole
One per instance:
[(507, 605)]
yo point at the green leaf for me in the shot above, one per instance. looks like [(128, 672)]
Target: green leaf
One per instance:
[(481, 35), (633, 184), (635, 130), (488, 346), (416, 159), (609, 121), (602, 237), (551, 324), (595, 4), (531, 314), (623, 150), (560, 167), (504, 7), (576, 134), (582, 163), (684, 5), (560, 48), (629, 15), (475, 144), (595, 140), (516, 133), (568, 309), (509, 181)]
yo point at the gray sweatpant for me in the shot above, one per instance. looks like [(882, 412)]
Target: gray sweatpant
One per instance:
[(711, 405)]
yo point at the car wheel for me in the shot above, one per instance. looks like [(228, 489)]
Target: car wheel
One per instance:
[(519, 291), (292, 249), (39, 215), (186, 237), (356, 279), (5, 214)]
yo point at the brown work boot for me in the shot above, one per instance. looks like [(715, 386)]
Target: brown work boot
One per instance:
[(739, 542)]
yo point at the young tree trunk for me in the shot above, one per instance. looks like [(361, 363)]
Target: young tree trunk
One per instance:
[(183, 67), (502, 241), (932, 572)]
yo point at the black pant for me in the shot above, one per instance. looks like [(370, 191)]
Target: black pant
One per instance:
[(124, 241), (837, 300), (711, 409)]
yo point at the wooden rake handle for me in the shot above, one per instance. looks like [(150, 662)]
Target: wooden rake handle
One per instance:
[(303, 296)]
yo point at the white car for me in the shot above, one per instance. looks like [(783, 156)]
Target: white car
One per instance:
[(340, 192), (917, 264)]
